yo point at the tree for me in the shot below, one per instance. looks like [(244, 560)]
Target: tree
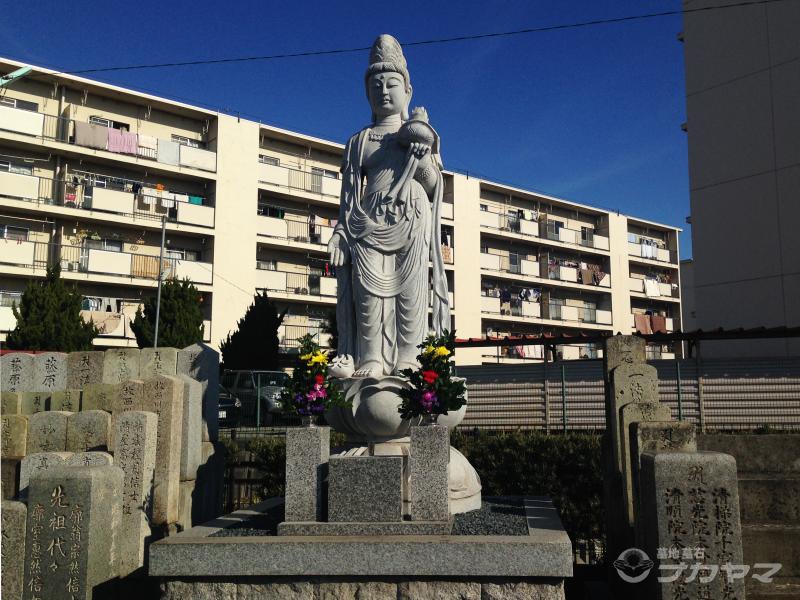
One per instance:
[(49, 317), (330, 327), (254, 344), (180, 321)]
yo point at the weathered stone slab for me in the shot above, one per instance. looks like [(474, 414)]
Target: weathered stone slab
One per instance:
[(690, 500), (89, 459), (99, 396), (351, 529), (65, 400), (34, 402), (635, 412), (164, 397), (34, 463), (14, 436), (47, 431), (131, 396), (88, 430), (207, 502), (136, 456), (429, 473), (10, 478), (192, 428), (12, 559), (10, 403), (17, 372), (365, 488), (121, 364), (621, 350), (158, 361), (69, 562), (201, 362), (307, 452), (84, 368), (49, 372), (629, 383)]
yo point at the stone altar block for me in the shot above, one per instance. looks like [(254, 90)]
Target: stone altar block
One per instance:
[(49, 372), (365, 489), (11, 555), (307, 452), (88, 430), (429, 472), (121, 364), (84, 368), (47, 432), (14, 436), (17, 372)]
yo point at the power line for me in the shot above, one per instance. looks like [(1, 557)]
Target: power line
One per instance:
[(447, 40)]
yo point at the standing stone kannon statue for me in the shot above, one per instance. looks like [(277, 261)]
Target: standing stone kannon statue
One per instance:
[(388, 235)]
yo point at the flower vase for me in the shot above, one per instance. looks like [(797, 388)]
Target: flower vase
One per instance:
[(309, 421), (429, 419)]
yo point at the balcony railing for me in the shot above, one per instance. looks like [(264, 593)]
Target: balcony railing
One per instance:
[(538, 229), (306, 284), (653, 288), (532, 268), (62, 129), (289, 336), (295, 230), (150, 205), (492, 305), (297, 179), (651, 252)]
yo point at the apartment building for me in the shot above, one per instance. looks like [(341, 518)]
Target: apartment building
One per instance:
[(89, 172)]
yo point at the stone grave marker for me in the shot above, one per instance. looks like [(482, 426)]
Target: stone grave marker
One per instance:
[(67, 400), (121, 364), (164, 397), (690, 515), (207, 503), (47, 432), (365, 489), (14, 436), (192, 428), (136, 455), (39, 461), (84, 368), (10, 477), (429, 473), (49, 372), (73, 518), (89, 459), (88, 430), (34, 402), (158, 361), (99, 396), (12, 561), (130, 397), (201, 362), (10, 403), (17, 371), (307, 453), (629, 383)]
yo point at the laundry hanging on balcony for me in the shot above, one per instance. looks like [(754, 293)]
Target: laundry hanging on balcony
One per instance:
[(148, 146), (651, 288), (123, 142), (91, 135), (168, 152)]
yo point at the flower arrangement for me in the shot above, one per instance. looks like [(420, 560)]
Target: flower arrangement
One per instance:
[(434, 390), (310, 391)]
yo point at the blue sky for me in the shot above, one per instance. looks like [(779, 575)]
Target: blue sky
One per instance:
[(589, 114)]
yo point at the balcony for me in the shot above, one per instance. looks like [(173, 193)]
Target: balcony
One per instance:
[(537, 228), (533, 269), (289, 336), (87, 135), (297, 179), (653, 288), (149, 204), (304, 230), (24, 254), (647, 324), (649, 251), (522, 309), (290, 284)]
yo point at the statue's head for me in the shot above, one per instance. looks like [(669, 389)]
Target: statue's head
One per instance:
[(387, 80)]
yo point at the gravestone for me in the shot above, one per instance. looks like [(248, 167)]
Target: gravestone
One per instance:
[(164, 397), (192, 427), (158, 361), (623, 349), (47, 432), (34, 402), (429, 473), (10, 477), (14, 436), (34, 463), (73, 518), (49, 372), (121, 364), (12, 561), (201, 362), (130, 396), (88, 430), (17, 371), (89, 459), (136, 456), (207, 502), (66, 400), (365, 489), (635, 412), (10, 403), (185, 501), (629, 383), (307, 453), (84, 368), (99, 396), (690, 515)]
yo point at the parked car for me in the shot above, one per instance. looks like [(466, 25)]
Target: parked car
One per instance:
[(229, 408), (259, 393)]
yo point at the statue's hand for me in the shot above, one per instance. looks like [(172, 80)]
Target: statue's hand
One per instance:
[(419, 150), (338, 250)]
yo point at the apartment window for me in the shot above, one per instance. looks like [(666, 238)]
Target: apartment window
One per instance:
[(267, 265), (96, 120), (18, 234), (104, 244), (21, 104), (16, 168), (553, 229), (183, 254), (485, 207), (269, 160), (325, 172), (185, 141), (587, 236), (266, 210)]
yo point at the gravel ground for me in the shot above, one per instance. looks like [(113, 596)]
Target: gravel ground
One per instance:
[(497, 516)]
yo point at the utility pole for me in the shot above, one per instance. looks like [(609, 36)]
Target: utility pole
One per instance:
[(160, 278)]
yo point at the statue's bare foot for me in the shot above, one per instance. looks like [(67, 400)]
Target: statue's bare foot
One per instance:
[(371, 368), (401, 366)]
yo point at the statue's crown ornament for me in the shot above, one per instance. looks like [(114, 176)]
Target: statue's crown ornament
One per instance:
[(387, 55)]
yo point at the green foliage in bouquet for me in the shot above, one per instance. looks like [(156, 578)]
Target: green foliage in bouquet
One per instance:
[(310, 391)]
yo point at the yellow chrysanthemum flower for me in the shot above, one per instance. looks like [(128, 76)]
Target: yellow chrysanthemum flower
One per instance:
[(442, 351), (429, 349), (319, 357), (305, 356)]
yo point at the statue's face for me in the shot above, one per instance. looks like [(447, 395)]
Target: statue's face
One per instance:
[(387, 94)]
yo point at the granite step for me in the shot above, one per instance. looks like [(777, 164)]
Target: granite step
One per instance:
[(770, 543)]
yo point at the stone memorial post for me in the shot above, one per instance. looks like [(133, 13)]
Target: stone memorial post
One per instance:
[(429, 463), (690, 524), (130, 396), (12, 558), (99, 396), (136, 434), (10, 403), (201, 362), (84, 368), (9, 486), (88, 430), (89, 459), (158, 361), (630, 383), (35, 463), (34, 402), (50, 372), (365, 489), (192, 428), (73, 519), (121, 364), (17, 372), (14, 436), (47, 432), (66, 400), (164, 397), (307, 453)]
